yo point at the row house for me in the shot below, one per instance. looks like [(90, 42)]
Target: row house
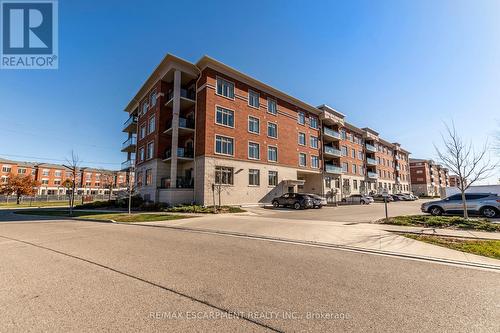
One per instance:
[(428, 178), (205, 130)]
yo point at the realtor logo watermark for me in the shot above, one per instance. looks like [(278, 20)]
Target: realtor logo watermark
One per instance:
[(29, 34)]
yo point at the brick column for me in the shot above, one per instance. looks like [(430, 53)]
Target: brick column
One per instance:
[(175, 127)]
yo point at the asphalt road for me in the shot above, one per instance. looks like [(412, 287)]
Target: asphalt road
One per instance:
[(86, 276)]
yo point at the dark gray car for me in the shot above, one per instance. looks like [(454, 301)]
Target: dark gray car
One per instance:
[(486, 204)]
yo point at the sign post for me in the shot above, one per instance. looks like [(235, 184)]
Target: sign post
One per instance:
[(385, 194)]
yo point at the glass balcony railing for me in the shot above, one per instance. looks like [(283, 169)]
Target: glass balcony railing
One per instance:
[(332, 151), (333, 168), (132, 141), (128, 164), (371, 148), (130, 121), (181, 152), (372, 174), (331, 133), (371, 161), (183, 123)]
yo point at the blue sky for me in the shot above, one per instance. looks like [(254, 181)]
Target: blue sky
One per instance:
[(400, 67)]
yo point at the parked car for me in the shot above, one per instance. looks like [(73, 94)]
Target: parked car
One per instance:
[(381, 198), (358, 199), (295, 200), (486, 204), (318, 201), (396, 197)]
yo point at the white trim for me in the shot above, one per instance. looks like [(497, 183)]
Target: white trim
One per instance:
[(258, 99), (248, 150), (298, 122), (248, 124), (217, 77), (267, 106), (152, 154), (267, 129), (303, 165), (215, 145), (267, 153), (234, 116), (305, 139), (317, 141)]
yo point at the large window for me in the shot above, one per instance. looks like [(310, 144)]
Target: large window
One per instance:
[(149, 176), (149, 153), (253, 98), (273, 178), (344, 150), (353, 153), (224, 145), (225, 88), (313, 122), (144, 107), (271, 106), (151, 125), (224, 175), (314, 162), (272, 130), (142, 133), (152, 98), (224, 117), (302, 159), (253, 125), (22, 171), (141, 154), (301, 118), (313, 141), (354, 170), (345, 167), (254, 177), (302, 139), (253, 151), (6, 168), (272, 154), (45, 172)]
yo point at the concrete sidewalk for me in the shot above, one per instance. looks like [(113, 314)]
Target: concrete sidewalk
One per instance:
[(363, 235)]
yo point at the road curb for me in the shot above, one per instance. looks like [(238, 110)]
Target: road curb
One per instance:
[(439, 235)]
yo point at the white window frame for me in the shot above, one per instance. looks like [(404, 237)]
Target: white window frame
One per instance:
[(317, 122), (248, 125), (153, 117), (250, 93), (268, 178), (305, 160), (311, 137), (258, 150), (299, 136), (152, 98), (298, 117), (270, 99), (142, 131), (227, 109), (267, 129), (258, 177), (217, 78), (317, 159), (274, 147), (142, 154), (152, 151), (226, 137)]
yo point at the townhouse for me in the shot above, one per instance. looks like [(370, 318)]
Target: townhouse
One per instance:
[(204, 131), (428, 178), (52, 177)]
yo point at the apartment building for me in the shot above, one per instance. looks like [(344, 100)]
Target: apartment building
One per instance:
[(197, 132), (454, 180), (428, 178), (52, 177)]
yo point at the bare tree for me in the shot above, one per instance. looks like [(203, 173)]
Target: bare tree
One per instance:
[(73, 165), (470, 164)]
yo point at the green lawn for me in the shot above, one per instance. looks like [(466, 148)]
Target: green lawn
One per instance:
[(487, 248), (118, 217), (443, 222), (12, 204)]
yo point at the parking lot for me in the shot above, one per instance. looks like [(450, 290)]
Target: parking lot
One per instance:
[(343, 213)]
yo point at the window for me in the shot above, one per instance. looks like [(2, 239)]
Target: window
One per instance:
[(149, 177), (57, 173), (313, 122), (313, 141), (142, 133), (224, 117), (355, 184), (45, 181), (272, 130), (253, 125), (328, 182), (225, 88), (224, 145), (223, 175), (21, 171), (272, 154), (149, 153), (302, 159), (144, 107), (57, 182), (301, 118), (253, 177), (420, 171), (45, 172), (273, 178), (314, 162), (271, 106), (139, 178), (360, 155), (353, 153), (141, 154), (361, 170), (253, 98), (345, 167), (343, 134), (6, 168), (302, 139), (354, 170), (152, 98), (344, 150), (253, 151), (151, 125)]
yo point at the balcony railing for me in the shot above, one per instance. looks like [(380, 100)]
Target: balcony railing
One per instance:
[(181, 152), (372, 174), (331, 133), (128, 164), (332, 151), (130, 124), (185, 93), (132, 141), (182, 182), (371, 161), (371, 148), (333, 168), (183, 123)]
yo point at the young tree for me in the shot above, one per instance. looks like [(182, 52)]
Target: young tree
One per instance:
[(108, 182), (73, 165), (19, 185), (470, 164)]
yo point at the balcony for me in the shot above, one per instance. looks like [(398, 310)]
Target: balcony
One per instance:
[(183, 154), (331, 133), (330, 168), (371, 161), (130, 125), (185, 125), (129, 145), (182, 182), (188, 97), (371, 148), (372, 175), (128, 164), (332, 151)]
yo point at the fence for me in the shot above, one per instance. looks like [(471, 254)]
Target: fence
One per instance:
[(4, 199)]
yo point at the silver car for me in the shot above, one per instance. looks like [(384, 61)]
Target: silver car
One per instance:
[(486, 204)]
